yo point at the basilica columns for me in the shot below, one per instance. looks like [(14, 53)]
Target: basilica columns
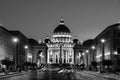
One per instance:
[(67, 56)]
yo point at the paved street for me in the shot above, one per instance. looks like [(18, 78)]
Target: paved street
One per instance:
[(86, 75), (40, 75), (55, 75)]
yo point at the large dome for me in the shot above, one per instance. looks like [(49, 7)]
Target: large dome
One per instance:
[(61, 28)]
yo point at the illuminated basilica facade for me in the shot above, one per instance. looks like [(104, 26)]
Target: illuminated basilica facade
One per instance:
[(59, 48)]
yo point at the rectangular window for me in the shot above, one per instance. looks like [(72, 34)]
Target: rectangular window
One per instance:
[(118, 50), (50, 59), (118, 35)]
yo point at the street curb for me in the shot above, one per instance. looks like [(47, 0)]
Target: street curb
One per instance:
[(107, 77)]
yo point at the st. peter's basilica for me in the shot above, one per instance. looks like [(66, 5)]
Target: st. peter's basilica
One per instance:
[(61, 48)]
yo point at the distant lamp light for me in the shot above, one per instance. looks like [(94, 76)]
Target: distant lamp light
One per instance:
[(115, 52), (40, 55), (87, 51), (51, 53), (103, 40), (15, 39), (29, 56), (83, 53), (26, 47), (93, 47)]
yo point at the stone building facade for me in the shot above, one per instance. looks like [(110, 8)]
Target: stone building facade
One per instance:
[(110, 48), (20, 47), (7, 47)]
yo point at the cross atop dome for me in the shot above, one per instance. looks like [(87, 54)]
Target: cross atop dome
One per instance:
[(61, 21)]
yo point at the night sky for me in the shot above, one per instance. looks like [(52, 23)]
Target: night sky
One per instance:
[(38, 18)]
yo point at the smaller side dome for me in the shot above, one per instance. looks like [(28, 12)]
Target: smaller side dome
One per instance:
[(47, 40), (75, 40)]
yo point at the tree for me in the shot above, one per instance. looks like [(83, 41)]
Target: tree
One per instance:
[(82, 66), (107, 63), (27, 64), (94, 64), (7, 62)]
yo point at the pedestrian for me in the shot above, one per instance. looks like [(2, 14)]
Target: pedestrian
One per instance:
[(3, 69), (19, 69)]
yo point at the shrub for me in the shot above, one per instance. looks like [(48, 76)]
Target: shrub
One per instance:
[(94, 64), (7, 62)]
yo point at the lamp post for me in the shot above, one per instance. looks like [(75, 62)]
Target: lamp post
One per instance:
[(78, 59), (15, 40), (103, 57), (93, 49), (87, 51), (40, 56), (26, 47), (80, 56)]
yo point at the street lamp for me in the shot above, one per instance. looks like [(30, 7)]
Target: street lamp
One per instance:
[(26, 55), (93, 50), (15, 40), (26, 47), (103, 40), (87, 51), (93, 47), (103, 45)]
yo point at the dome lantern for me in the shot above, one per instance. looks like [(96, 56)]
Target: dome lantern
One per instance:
[(61, 21)]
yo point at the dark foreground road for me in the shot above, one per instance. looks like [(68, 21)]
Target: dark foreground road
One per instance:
[(55, 75), (51, 75), (42, 75)]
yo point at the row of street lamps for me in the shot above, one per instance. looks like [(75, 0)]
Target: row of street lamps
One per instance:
[(16, 40), (93, 48)]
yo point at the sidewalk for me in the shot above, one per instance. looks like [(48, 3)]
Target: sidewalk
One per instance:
[(106, 75), (10, 74)]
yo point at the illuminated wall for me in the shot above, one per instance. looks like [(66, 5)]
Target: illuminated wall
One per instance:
[(7, 47)]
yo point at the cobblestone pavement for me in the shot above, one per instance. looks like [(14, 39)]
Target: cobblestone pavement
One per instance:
[(54, 75), (39, 75), (87, 75)]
